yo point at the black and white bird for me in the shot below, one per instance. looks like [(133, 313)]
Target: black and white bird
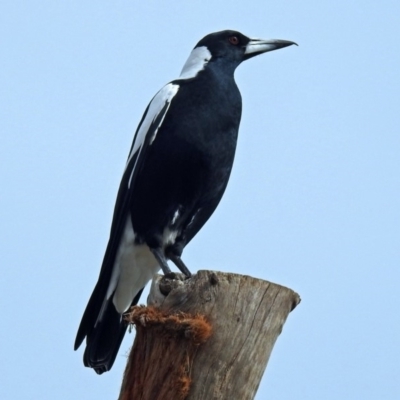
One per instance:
[(176, 173)]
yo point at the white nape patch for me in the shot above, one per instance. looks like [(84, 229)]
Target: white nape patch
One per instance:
[(196, 62), (163, 97), (134, 266)]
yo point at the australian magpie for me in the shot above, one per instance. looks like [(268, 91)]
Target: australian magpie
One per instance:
[(176, 173)]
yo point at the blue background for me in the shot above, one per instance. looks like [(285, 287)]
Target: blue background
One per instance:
[(313, 202)]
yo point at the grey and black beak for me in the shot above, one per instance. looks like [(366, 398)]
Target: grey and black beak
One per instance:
[(259, 46)]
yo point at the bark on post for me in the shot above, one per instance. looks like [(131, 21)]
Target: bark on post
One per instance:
[(209, 337)]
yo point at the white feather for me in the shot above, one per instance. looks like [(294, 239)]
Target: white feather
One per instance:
[(134, 266), (196, 62), (175, 217), (163, 97)]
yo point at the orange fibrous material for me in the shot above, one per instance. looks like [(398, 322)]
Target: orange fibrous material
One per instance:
[(193, 327), (171, 338)]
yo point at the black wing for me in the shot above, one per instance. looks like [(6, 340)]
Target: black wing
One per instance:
[(101, 324)]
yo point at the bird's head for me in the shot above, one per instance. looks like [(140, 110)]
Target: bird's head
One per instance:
[(229, 48)]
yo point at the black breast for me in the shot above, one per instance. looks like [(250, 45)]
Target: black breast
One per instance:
[(188, 165)]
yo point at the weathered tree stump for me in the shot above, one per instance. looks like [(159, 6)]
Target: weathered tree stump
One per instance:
[(208, 337)]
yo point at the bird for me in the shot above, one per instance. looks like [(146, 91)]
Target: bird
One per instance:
[(176, 172)]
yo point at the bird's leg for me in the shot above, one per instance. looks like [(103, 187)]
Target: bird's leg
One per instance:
[(162, 261), (180, 264)]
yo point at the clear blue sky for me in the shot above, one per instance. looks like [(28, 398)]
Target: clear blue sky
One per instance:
[(313, 202)]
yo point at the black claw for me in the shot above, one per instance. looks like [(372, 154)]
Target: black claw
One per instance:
[(180, 264)]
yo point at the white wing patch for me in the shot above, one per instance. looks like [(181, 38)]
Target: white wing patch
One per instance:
[(198, 59), (157, 104), (134, 266)]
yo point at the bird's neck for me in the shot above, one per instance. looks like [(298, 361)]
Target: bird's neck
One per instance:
[(221, 75)]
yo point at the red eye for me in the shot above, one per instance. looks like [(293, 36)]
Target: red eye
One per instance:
[(234, 40)]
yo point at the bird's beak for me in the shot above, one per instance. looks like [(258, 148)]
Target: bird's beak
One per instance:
[(258, 46)]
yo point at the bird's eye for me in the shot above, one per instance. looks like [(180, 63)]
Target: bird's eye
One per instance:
[(234, 40)]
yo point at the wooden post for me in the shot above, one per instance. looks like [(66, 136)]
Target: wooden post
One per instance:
[(208, 337)]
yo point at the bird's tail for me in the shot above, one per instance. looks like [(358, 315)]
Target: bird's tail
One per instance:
[(103, 340)]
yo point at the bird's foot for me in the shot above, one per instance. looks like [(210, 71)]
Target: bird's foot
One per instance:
[(170, 282), (171, 275), (180, 264), (162, 261)]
